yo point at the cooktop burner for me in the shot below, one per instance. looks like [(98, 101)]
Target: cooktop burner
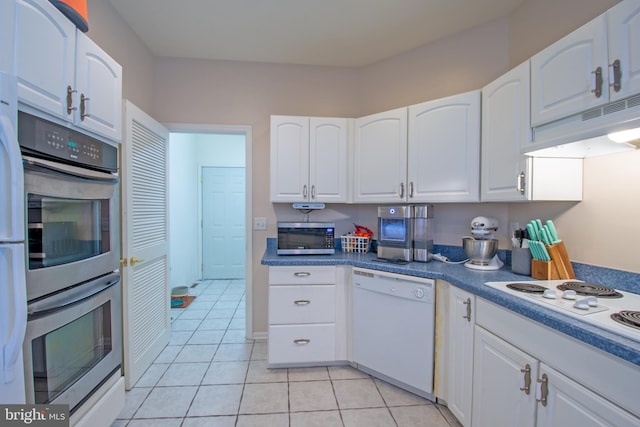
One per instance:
[(530, 288), (627, 318), (590, 289)]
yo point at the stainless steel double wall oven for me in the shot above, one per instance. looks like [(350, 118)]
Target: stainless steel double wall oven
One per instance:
[(74, 340)]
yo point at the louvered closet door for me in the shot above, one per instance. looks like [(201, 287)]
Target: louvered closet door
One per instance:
[(145, 242)]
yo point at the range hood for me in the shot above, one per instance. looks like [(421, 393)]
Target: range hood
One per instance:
[(585, 134)]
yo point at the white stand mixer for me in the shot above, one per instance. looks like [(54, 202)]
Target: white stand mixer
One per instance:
[(481, 248)]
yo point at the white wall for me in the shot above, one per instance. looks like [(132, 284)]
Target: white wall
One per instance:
[(188, 152)]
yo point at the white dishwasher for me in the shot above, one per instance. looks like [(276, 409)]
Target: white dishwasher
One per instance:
[(393, 328)]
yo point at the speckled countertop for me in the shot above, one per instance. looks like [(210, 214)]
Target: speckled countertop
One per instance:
[(473, 281)]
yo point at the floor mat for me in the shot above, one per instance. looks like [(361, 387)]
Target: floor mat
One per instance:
[(182, 302)]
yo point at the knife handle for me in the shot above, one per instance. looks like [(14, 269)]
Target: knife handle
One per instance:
[(554, 232), (532, 231)]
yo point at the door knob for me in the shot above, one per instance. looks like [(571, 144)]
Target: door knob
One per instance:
[(133, 261)]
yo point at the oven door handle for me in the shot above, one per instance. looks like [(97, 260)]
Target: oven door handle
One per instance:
[(72, 296), (68, 171)]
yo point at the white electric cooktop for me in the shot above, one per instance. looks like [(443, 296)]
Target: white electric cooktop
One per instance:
[(592, 303)]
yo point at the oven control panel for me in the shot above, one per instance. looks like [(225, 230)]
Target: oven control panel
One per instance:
[(51, 140)]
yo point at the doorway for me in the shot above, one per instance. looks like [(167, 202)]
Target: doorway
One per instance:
[(203, 207)]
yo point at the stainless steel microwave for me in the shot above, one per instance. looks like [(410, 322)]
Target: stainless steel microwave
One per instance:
[(306, 238)]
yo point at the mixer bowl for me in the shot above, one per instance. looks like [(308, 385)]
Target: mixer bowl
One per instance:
[(479, 251)]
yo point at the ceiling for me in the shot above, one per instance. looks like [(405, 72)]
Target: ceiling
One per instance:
[(343, 33)]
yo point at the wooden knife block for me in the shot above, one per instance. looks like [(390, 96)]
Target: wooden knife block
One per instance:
[(558, 268)]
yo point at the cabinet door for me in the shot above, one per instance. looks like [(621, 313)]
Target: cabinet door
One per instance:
[(444, 150), (289, 159), (505, 129), (624, 45), (500, 373), (99, 85), (44, 60), (570, 404), (460, 368), (328, 160), (7, 34), (563, 75), (380, 157)]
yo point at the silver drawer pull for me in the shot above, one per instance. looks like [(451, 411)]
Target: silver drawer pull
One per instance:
[(302, 341), (302, 274), (302, 302)]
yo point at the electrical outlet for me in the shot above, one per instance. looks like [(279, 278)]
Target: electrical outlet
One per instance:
[(260, 223)]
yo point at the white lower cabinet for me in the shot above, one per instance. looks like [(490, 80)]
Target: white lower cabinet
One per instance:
[(459, 377), (501, 397), (307, 313), (527, 375)]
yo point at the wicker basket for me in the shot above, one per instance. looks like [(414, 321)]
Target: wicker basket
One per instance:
[(355, 244)]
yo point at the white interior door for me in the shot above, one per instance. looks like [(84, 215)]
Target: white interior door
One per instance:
[(223, 229), (145, 241)]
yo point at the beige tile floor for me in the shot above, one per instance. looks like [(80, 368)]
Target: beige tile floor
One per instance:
[(210, 375)]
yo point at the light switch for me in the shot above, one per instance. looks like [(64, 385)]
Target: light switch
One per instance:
[(260, 223)]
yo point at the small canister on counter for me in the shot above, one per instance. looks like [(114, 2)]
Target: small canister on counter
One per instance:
[(521, 261)]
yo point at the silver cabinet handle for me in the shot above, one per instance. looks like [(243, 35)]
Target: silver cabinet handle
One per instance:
[(302, 274), (313, 192), (521, 177), (402, 190), (70, 107), (526, 378), (302, 302), (468, 304), (411, 190), (615, 75), (597, 89), (302, 341), (304, 191), (83, 107), (542, 391)]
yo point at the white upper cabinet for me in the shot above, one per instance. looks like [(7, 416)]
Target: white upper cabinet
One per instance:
[(309, 159), (506, 174), (328, 165), (505, 129), (45, 58), (61, 72), (570, 76), (428, 152), (624, 49), (597, 63), (444, 150), (99, 85), (7, 34), (289, 159), (380, 157)]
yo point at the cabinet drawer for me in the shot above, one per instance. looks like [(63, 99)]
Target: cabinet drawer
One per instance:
[(302, 304), (302, 343), (302, 275)]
